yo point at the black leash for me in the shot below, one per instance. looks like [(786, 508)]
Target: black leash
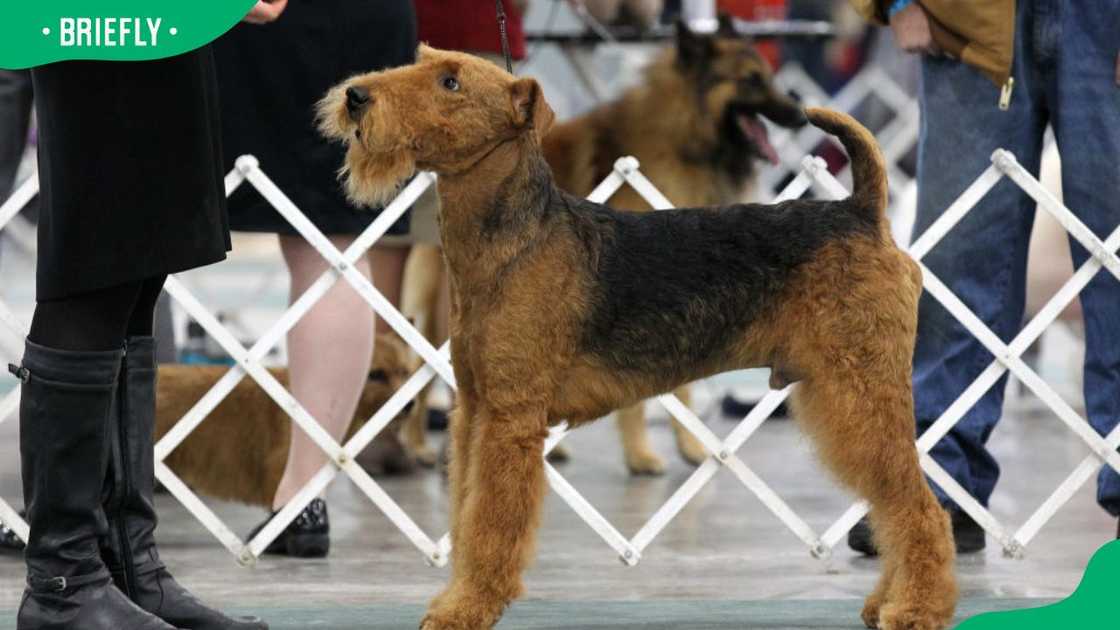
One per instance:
[(505, 37)]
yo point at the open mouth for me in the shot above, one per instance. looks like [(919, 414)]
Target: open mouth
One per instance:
[(754, 132)]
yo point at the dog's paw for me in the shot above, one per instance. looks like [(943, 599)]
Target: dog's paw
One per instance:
[(910, 618), (454, 611), (432, 622), (559, 454), (870, 613), (645, 463), (691, 449)]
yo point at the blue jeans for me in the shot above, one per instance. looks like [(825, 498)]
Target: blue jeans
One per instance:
[(1065, 75)]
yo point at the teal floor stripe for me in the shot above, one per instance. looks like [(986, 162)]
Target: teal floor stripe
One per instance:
[(637, 615)]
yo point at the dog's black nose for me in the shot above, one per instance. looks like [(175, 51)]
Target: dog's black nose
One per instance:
[(356, 100)]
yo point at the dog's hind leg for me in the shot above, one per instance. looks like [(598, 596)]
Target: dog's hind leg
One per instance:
[(640, 458), (421, 280), (498, 512), (689, 447), (862, 421)]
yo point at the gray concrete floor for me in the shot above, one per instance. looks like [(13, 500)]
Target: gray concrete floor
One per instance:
[(723, 550)]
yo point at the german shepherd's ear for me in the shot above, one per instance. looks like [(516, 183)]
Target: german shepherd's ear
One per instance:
[(692, 48), (727, 26)]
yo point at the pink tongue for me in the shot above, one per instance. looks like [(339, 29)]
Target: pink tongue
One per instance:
[(756, 131)]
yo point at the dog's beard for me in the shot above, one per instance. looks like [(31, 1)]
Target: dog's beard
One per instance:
[(374, 179), (373, 174)]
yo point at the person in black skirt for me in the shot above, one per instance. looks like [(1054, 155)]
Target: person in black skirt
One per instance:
[(271, 80), (131, 184)]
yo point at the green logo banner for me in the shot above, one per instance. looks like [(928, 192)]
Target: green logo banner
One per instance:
[(36, 32), (1091, 607)]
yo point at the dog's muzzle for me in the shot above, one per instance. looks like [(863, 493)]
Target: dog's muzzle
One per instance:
[(357, 99)]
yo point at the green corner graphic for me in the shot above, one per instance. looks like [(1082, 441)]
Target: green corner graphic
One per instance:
[(1091, 607), (36, 33)]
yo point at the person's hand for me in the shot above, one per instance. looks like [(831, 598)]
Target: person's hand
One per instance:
[(911, 30), (265, 11)]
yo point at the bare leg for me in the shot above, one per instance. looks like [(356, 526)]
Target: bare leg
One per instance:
[(329, 356), (640, 458), (645, 11), (689, 447), (604, 11), (498, 515), (387, 264)]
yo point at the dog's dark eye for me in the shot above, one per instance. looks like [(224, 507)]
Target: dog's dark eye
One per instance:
[(450, 83), (378, 376)]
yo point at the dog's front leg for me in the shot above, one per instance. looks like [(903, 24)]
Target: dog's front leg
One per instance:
[(461, 425), (497, 519)]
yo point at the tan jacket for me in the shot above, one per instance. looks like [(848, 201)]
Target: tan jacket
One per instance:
[(980, 33)]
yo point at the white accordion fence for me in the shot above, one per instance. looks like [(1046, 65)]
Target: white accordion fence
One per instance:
[(812, 174)]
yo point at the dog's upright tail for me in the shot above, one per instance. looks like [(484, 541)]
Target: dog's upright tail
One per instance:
[(869, 171)]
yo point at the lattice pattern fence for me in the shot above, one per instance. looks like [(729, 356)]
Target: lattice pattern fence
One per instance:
[(812, 174)]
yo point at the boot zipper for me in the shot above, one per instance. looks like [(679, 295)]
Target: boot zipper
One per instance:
[(126, 486)]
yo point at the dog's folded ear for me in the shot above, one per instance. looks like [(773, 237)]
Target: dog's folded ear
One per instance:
[(530, 107), (692, 48), (727, 26)]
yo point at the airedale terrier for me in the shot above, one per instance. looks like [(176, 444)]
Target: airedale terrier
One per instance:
[(564, 309)]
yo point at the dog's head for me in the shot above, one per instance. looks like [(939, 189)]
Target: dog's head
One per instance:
[(442, 113), (735, 85), (388, 370)]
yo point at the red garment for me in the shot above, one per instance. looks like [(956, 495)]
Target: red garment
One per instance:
[(470, 25), (758, 10)]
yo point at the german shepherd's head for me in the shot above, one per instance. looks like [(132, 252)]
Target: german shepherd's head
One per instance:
[(733, 87)]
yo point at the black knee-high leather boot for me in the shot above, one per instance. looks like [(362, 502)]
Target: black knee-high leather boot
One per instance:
[(64, 421), (130, 547)]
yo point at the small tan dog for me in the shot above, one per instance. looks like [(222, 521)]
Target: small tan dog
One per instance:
[(238, 453), (694, 124)]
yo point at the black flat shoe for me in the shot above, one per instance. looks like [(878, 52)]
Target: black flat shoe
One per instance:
[(307, 537), (967, 534), (9, 541)]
